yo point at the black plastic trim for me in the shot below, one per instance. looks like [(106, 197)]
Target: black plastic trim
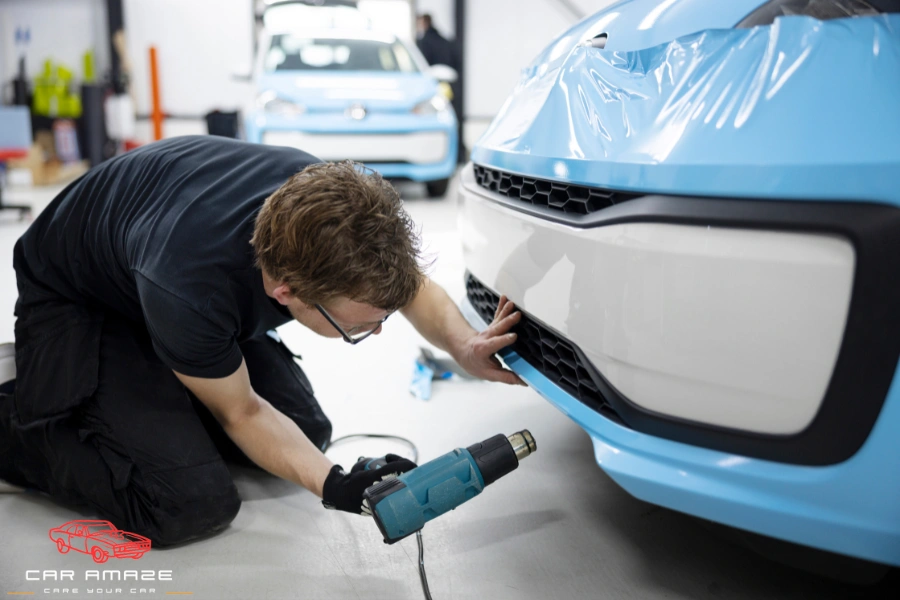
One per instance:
[(495, 458), (870, 349), (545, 349), (375, 494), (546, 195)]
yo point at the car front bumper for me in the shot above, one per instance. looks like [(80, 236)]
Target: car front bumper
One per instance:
[(129, 553), (400, 146), (803, 484)]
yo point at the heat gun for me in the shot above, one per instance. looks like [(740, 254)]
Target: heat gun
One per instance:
[(402, 505)]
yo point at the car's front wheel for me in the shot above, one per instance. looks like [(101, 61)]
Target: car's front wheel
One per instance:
[(99, 554), (437, 188), (62, 546)]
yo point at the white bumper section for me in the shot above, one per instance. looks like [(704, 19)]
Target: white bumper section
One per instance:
[(731, 327), (419, 148)]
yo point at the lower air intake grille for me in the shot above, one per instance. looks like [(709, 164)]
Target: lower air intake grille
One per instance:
[(554, 356), (555, 195)]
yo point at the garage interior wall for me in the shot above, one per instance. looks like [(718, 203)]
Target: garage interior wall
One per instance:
[(62, 30), (202, 43)]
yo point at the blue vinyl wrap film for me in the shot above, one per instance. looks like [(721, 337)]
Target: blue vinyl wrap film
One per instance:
[(801, 109)]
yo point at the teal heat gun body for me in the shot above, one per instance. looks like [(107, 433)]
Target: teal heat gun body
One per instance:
[(402, 505)]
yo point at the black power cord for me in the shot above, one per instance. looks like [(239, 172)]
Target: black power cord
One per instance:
[(415, 458), (379, 436)]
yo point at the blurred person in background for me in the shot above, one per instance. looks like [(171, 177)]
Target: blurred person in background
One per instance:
[(436, 49)]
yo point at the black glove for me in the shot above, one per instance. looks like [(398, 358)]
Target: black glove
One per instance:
[(344, 491)]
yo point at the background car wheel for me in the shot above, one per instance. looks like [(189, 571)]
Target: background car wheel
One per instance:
[(62, 546), (137, 556), (437, 188), (100, 555)]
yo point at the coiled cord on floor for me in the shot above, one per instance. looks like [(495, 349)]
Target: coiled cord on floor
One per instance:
[(415, 458), (378, 436)]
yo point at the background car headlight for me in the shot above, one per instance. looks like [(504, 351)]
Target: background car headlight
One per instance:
[(270, 102), (433, 106)]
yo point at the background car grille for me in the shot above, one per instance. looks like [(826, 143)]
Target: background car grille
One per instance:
[(554, 356), (555, 195)]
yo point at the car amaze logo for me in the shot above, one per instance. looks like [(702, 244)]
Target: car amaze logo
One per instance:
[(100, 539)]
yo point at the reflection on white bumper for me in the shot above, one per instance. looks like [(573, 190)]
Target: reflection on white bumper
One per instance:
[(422, 147), (731, 327)]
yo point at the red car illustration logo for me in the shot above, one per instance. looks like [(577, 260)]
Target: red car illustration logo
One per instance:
[(100, 539)]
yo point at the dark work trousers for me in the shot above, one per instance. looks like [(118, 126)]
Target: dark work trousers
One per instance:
[(97, 419)]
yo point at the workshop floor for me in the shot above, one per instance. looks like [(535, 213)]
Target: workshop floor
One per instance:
[(556, 528)]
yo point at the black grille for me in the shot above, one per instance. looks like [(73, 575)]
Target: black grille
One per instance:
[(554, 356), (555, 195)]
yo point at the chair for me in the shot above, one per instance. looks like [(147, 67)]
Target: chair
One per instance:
[(15, 140)]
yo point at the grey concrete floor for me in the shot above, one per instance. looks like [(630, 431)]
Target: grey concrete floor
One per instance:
[(558, 527)]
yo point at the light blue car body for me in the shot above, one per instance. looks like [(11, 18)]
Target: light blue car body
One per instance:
[(681, 103), (327, 115)]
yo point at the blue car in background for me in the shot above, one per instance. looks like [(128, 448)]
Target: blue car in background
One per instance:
[(696, 206), (356, 94)]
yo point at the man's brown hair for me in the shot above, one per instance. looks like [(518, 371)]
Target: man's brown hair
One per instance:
[(339, 230)]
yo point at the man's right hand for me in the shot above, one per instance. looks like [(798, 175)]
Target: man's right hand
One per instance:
[(344, 491)]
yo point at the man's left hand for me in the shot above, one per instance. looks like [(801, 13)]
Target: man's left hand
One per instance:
[(477, 352)]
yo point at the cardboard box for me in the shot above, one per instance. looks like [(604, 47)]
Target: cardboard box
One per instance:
[(45, 168)]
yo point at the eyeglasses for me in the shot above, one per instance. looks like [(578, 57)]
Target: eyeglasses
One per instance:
[(354, 336)]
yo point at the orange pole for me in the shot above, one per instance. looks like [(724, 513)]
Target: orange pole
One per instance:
[(157, 115)]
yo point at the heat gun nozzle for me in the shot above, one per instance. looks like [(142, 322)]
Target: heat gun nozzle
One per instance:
[(523, 443)]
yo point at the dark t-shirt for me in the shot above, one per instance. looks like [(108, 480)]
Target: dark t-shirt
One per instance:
[(162, 235)]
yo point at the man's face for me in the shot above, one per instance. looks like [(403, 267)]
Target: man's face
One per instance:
[(349, 314), (421, 27)]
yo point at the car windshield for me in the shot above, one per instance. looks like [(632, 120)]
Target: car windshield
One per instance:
[(301, 53), (101, 528), (822, 10)]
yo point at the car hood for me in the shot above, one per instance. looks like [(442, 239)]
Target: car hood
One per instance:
[(639, 24), (118, 537), (329, 90), (799, 109)]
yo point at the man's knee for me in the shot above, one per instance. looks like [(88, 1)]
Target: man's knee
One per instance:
[(200, 520), (197, 502)]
